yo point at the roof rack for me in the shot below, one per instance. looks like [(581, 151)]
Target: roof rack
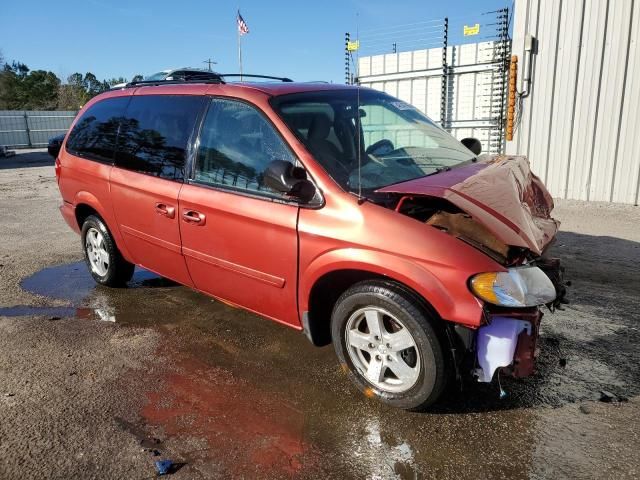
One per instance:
[(218, 78), (146, 83), (242, 75)]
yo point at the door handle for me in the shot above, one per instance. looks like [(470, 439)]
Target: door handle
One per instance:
[(191, 216), (166, 210)]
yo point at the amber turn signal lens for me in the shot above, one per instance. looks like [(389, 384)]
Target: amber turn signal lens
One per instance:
[(525, 286), (482, 286)]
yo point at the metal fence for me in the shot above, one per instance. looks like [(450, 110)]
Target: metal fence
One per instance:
[(462, 86), (32, 129)]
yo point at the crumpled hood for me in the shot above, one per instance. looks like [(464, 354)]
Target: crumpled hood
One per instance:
[(500, 192)]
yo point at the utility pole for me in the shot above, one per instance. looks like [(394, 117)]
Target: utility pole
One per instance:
[(210, 62)]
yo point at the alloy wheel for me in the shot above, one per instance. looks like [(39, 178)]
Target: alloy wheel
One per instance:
[(96, 251), (382, 349)]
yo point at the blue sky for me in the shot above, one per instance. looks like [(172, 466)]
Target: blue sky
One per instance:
[(300, 39)]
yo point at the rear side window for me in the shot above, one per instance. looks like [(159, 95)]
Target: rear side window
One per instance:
[(237, 144), (155, 133), (94, 134)]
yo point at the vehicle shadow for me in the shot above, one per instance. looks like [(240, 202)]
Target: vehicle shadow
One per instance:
[(27, 160), (590, 346)]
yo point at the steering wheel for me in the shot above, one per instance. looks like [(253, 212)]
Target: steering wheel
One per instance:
[(381, 147)]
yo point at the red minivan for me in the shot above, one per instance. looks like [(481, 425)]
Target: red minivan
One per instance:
[(336, 210)]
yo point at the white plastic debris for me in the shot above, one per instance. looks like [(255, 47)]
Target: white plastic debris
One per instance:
[(497, 344)]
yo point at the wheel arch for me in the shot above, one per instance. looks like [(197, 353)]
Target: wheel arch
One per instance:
[(325, 283), (86, 204)]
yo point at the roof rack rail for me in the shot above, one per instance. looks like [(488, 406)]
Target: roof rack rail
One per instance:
[(147, 83), (268, 77), (220, 78)]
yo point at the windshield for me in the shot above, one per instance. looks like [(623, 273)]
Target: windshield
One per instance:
[(158, 76), (395, 141)]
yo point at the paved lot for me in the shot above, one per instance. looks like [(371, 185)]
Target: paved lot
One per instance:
[(93, 380)]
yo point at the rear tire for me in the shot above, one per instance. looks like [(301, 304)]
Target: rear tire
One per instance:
[(386, 338), (104, 260)]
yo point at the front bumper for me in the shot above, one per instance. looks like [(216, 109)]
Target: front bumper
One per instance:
[(508, 343)]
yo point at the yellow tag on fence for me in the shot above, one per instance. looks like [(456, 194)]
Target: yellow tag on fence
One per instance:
[(471, 30), (353, 46)]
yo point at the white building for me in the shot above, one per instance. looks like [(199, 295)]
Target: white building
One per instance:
[(578, 119)]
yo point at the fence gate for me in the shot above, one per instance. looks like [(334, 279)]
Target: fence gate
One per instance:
[(462, 86)]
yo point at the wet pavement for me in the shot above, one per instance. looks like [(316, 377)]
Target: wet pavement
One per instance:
[(239, 396), (100, 383)]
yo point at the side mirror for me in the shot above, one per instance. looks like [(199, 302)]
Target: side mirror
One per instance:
[(472, 144), (284, 177)]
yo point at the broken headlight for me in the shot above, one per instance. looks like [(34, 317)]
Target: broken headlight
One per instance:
[(517, 287)]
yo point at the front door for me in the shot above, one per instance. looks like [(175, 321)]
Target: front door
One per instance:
[(147, 177), (239, 238)]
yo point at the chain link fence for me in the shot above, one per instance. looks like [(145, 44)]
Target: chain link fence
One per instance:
[(32, 129)]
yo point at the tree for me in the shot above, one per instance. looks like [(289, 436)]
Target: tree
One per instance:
[(40, 90), (79, 89), (23, 89), (9, 88), (92, 85), (72, 95), (69, 98), (115, 81)]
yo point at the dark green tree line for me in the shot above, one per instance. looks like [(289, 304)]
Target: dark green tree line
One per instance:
[(25, 89)]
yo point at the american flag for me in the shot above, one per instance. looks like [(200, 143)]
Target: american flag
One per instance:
[(243, 28)]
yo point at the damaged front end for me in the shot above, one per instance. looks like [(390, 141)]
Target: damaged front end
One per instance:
[(507, 340), (508, 343), (498, 206)]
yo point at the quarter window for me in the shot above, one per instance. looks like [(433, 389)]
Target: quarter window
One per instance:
[(236, 145), (94, 134), (155, 132)]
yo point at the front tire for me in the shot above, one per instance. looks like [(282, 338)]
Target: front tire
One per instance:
[(386, 338), (104, 260)]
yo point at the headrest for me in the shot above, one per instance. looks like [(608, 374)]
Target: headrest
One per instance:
[(320, 127)]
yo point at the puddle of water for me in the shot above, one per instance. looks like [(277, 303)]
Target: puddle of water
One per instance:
[(58, 313), (26, 310), (70, 282), (74, 283)]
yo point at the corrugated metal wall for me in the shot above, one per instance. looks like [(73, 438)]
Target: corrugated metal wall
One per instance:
[(416, 77), (32, 128), (580, 126)]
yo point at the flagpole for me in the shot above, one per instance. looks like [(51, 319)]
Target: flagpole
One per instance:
[(239, 44)]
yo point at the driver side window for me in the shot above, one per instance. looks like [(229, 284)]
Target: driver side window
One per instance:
[(236, 145)]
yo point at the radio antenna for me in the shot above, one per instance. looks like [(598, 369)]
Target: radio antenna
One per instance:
[(358, 120)]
